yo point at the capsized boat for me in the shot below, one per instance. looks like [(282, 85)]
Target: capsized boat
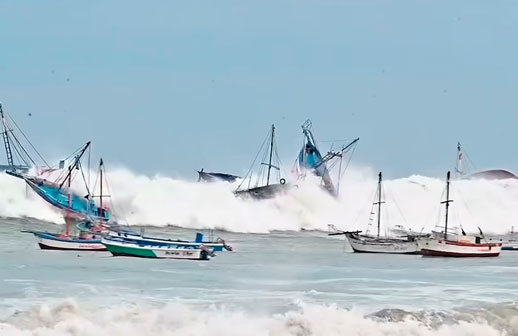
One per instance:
[(89, 230), (212, 177), (58, 192), (170, 251), (265, 186), (136, 238), (463, 172), (310, 159), (406, 244), (452, 244)]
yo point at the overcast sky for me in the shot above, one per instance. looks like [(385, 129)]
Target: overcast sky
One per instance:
[(172, 86)]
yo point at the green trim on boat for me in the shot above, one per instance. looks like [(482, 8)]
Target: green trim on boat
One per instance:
[(130, 251)]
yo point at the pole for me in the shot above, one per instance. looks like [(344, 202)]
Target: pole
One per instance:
[(67, 220), (271, 154), (379, 204), (447, 203)]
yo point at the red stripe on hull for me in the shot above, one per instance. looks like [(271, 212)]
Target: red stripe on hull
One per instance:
[(432, 253), (47, 247)]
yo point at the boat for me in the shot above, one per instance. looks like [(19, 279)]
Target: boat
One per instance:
[(136, 238), (53, 241), (89, 227), (310, 159), (265, 185), (57, 192), (452, 244), (509, 242), (171, 251), (463, 172), (9, 136), (204, 176), (406, 244)]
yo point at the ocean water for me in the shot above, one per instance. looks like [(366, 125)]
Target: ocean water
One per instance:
[(281, 283)]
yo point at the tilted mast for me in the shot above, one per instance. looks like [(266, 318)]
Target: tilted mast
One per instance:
[(271, 155), (5, 136)]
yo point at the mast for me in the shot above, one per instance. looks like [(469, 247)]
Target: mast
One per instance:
[(379, 203), (447, 203), (75, 164), (271, 155), (7, 143), (67, 220), (101, 210), (459, 168)]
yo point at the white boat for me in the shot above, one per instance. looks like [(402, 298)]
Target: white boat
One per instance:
[(446, 244), (127, 249), (50, 241), (366, 244), (405, 244)]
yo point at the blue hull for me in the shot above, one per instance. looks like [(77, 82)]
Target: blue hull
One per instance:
[(152, 241)]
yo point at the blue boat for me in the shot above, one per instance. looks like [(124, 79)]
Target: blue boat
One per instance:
[(310, 159), (136, 238), (61, 197)]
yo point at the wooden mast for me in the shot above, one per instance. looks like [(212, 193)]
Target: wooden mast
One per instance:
[(447, 203), (101, 210), (379, 204), (271, 155), (67, 220)]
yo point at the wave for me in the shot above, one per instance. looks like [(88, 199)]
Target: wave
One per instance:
[(69, 318), (413, 202)]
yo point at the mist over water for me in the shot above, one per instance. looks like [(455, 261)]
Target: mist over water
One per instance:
[(160, 201)]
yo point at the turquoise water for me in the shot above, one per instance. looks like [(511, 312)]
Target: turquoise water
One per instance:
[(267, 278)]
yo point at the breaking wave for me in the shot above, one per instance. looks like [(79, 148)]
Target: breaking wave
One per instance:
[(161, 201), (68, 318)]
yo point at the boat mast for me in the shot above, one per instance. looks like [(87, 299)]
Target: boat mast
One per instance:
[(7, 143), (379, 203), (101, 210), (67, 220), (459, 168), (447, 203), (271, 155)]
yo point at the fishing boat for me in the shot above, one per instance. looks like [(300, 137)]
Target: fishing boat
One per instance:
[(462, 170), (310, 159), (136, 238), (171, 251), (509, 242), (204, 176), (57, 192), (64, 242), (265, 185), (89, 227), (452, 244), (406, 244)]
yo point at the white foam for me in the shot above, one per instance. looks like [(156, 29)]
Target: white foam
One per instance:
[(67, 318), (161, 201)]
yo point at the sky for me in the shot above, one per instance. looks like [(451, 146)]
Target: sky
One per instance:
[(172, 86)]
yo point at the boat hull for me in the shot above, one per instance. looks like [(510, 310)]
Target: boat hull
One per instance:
[(508, 246), (48, 241), (445, 248), (122, 249), (388, 246), (152, 241)]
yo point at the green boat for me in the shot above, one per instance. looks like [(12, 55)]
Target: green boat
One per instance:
[(128, 249)]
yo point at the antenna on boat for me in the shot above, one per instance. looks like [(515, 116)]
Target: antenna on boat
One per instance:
[(6, 140), (447, 203)]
